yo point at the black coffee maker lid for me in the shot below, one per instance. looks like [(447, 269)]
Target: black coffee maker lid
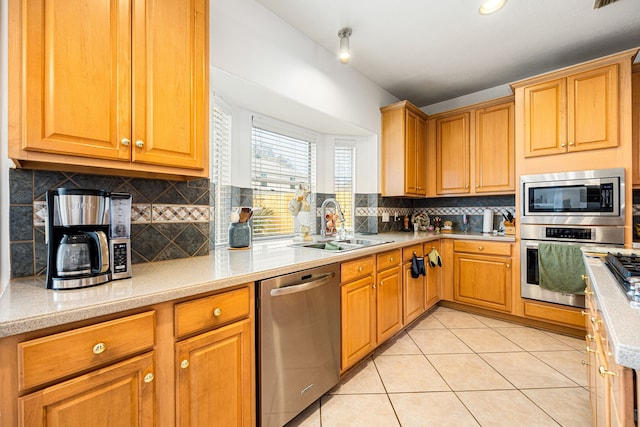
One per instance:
[(80, 192)]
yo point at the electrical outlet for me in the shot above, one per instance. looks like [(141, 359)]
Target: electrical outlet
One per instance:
[(385, 216)]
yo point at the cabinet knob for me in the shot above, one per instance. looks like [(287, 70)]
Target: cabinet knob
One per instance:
[(583, 276), (390, 259), (589, 350), (594, 321), (466, 186), (586, 292), (590, 337), (572, 143), (381, 283), (584, 363), (508, 265), (149, 377), (477, 185), (480, 248), (125, 141), (603, 371), (139, 143), (360, 269), (374, 286), (583, 313), (563, 145), (99, 348), (184, 364), (217, 312)]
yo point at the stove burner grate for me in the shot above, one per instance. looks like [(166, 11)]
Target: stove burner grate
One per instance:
[(626, 270)]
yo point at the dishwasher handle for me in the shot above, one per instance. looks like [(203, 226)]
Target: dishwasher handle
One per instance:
[(319, 281)]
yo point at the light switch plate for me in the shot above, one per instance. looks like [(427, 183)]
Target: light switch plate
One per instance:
[(385, 216)]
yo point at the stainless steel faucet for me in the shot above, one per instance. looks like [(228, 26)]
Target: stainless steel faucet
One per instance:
[(323, 215)]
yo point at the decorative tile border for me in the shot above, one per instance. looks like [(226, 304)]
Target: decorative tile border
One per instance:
[(440, 211), (143, 213)]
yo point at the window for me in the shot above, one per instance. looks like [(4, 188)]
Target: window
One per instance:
[(344, 185), (283, 157), (221, 168)]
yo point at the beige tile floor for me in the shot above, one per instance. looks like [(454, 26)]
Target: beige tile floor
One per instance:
[(458, 369)]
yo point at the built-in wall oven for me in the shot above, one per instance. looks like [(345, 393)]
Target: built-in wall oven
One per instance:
[(572, 208)]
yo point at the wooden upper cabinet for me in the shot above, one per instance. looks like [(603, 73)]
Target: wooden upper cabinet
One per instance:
[(452, 153), (494, 149), (573, 113), (635, 121), (404, 158), (123, 85), (475, 149)]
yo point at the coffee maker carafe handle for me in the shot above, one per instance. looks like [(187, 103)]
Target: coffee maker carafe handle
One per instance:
[(100, 239)]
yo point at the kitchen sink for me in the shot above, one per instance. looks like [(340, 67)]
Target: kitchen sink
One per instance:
[(342, 245)]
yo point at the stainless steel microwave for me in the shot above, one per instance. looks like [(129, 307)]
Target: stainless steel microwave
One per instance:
[(594, 197)]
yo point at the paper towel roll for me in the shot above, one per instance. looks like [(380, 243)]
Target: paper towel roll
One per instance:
[(487, 221)]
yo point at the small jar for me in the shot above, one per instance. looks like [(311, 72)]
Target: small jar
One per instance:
[(239, 235)]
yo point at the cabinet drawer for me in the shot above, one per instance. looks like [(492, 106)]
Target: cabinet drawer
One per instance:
[(482, 247), (352, 270), (56, 356), (407, 252), (388, 259), (211, 312)]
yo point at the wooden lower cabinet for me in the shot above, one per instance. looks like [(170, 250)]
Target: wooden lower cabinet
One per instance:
[(482, 274), (214, 382), (358, 311), (413, 288), (388, 303), (611, 386), (121, 395), (190, 363), (434, 276)]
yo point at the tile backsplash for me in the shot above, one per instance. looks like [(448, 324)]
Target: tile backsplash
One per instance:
[(170, 219), (174, 219)]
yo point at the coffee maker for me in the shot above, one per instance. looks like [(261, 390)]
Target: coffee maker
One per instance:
[(86, 245)]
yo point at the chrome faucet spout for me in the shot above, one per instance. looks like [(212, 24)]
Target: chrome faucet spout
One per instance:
[(323, 215)]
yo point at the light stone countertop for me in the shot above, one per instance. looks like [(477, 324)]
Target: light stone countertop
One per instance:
[(622, 322), (26, 305)]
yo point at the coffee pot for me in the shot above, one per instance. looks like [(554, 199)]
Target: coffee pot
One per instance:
[(87, 245)]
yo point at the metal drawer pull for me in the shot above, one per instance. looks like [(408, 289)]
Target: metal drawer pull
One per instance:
[(217, 312), (184, 364), (149, 377), (603, 371), (99, 348)]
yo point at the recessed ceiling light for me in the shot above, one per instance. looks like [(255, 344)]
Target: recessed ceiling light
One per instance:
[(491, 6)]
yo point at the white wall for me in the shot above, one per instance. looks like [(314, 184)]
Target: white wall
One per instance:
[(250, 42), (4, 162)]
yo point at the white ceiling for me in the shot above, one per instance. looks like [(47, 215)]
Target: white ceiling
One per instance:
[(428, 51)]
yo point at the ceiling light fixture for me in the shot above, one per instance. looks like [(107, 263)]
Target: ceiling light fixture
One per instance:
[(491, 6), (345, 52)]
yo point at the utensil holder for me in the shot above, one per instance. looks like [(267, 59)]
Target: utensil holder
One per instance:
[(239, 235)]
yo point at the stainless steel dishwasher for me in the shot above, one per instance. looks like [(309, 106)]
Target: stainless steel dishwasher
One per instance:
[(298, 341)]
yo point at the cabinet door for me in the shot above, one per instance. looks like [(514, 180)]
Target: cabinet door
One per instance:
[(389, 303), (635, 123), (452, 154), (415, 154), (121, 395), (545, 120), (170, 69), (484, 281), (434, 274), (495, 144), (413, 290), (593, 109), (358, 322), (214, 378), (77, 78)]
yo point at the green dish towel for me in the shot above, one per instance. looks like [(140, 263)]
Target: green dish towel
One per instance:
[(332, 246), (560, 268)]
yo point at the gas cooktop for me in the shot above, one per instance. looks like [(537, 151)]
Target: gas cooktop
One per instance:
[(626, 270)]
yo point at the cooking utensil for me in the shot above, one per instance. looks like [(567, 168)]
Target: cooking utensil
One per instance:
[(245, 214)]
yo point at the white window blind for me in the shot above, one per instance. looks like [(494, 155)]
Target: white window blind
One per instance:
[(221, 170), (283, 157), (344, 179)]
